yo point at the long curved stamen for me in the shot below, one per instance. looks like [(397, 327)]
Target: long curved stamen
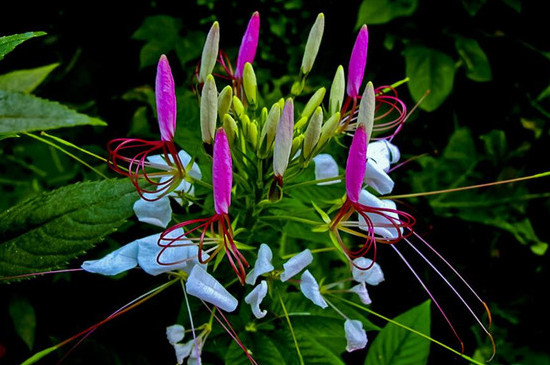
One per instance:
[(431, 297), (456, 291)]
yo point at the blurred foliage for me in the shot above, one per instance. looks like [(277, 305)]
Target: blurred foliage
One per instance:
[(485, 63)]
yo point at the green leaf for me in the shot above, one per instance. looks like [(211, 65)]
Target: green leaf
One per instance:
[(8, 43), (473, 6), (429, 70), (161, 33), (382, 11), (24, 320), (25, 81), (26, 113), (475, 60), (397, 346), (265, 350), (48, 230)]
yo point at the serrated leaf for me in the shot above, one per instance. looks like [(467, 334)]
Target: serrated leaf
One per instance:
[(24, 320), (26, 113), (397, 346), (429, 70), (25, 81), (383, 11), (475, 60), (46, 231), (8, 43)]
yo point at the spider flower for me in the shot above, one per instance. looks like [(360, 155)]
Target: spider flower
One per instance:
[(216, 230), (130, 156), (374, 217)]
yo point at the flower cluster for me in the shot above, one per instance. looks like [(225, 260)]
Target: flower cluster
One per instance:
[(257, 149)]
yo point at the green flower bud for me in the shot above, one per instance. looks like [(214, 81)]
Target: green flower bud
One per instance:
[(253, 134), (337, 90), (250, 85), (366, 109), (238, 107), (209, 52), (313, 132), (209, 110), (314, 102), (313, 43), (328, 129), (269, 129), (224, 101), (230, 127)]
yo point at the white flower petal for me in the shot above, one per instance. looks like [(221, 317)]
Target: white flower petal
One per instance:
[(355, 335), (156, 212), (325, 167), (310, 289), (361, 290), (176, 257), (296, 264), (377, 178), (384, 153), (262, 266), (383, 226), (203, 285), (255, 297), (195, 355), (372, 276), (120, 260), (185, 159), (175, 333), (183, 350)]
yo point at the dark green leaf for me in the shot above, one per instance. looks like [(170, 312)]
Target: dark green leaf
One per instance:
[(26, 113), (397, 346), (46, 231), (25, 81), (475, 60), (473, 6), (382, 11), (161, 33), (8, 43), (430, 71), (24, 320)]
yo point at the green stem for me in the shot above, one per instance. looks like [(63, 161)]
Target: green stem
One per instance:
[(412, 330), (444, 191), (69, 144), (313, 182), (67, 153), (292, 331)]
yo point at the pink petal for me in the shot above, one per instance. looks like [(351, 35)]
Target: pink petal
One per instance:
[(249, 43), (166, 100), (358, 62), (222, 173), (355, 166)]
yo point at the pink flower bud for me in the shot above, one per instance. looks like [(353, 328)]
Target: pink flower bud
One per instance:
[(166, 100), (249, 43), (357, 63), (355, 166), (222, 173)]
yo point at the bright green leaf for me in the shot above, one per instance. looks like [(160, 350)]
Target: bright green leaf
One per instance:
[(25, 81), (396, 346), (8, 43), (26, 113), (475, 60), (24, 320), (46, 231), (429, 70), (382, 11)]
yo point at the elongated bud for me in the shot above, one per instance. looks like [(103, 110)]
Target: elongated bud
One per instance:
[(253, 134), (313, 43), (230, 127), (358, 62), (313, 132), (283, 139), (366, 109), (328, 129), (296, 144), (249, 43), (269, 129), (224, 101), (222, 173), (209, 109), (238, 107), (355, 165), (166, 100), (250, 85), (337, 89), (209, 52), (313, 102)]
